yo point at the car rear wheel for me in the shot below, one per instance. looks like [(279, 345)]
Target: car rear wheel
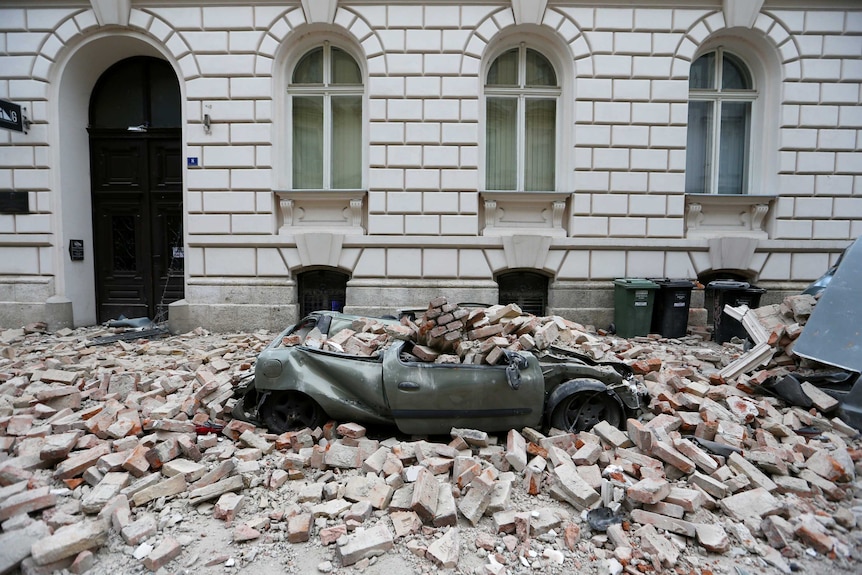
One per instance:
[(291, 411), (583, 409)]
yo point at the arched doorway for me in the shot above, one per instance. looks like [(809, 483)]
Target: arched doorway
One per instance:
[(136, 183), (321, 290), (527, 289)]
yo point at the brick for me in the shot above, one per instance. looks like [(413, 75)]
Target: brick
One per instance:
[(191, 470), (68, 541), (138, 531), (649, 490), (108, 488), (755, 476), (516, 450), (27, 502), (653, 542), (756, 503), (664, 522), (77, 463), (425, 493), (162, 453), (576, 491), (701, 458), (166, 551), (443, 552), (299, 527), (173, 486), (689, 499), (369, 543), (713, 538), (15, 545), (228, 506), (474, 503), (668, 454), (256, 441), (446, 513)]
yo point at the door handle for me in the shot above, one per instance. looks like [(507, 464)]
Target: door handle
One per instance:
[(408, 386)]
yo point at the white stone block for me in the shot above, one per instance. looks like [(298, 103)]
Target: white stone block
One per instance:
[(613, 66), (652, 19), (440, 156), (592, 181), (627, 227), (228, 202), (802, 92), (793, 229), (250, 88), (642, 159), (422, 132), (209, 224), (461, 179), (850, 116), (593, 226), (19, 260), (824, 21), (386, 179), (232, 110), (614, 18), (422, 179), (459, 86), (848, 162), (404, 64), (593, 135), (423, 86), (831, 229), (463, 133), (404, 202), (816, 162), (647, 205), (226, 64), (601, 42), (404, 110), (228, 156), (380, 86), (611, 158), (613, 112), (32, 179), (444, 110), (404, 156), (33, 224), (666, 228), (669, 183), (386, 133), (404, 262), (380, 224), (594, 88), (257, 178), (632, 42), (629, 181), (631, 90), (399, 16), (208, 88), (650, 113), (422, 225), (472, 264), (798, 139), (583, 158), (250, 133), (813, 208), (610, 204), (209, 179), (440, 202), (452, 225), (839, 93), (251, 224), (849, 207)]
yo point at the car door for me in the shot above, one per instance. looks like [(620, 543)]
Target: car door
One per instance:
[(429, 398)]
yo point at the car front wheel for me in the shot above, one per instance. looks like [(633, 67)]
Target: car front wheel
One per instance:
[(581, 410), (291, 411)]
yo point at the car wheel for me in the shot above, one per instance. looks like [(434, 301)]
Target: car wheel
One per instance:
[(291, 411), (583, 409)]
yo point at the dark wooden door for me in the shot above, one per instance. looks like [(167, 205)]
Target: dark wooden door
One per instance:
[(137, 222)]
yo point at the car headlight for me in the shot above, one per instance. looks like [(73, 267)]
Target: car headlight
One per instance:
[(270, 367)]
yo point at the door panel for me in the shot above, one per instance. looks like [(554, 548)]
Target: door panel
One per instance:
[(137, 219)]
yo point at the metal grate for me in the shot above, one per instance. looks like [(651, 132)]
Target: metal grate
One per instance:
[(321, 290), (528, 290)]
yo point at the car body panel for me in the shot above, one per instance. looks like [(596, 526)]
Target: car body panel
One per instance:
[(422, 397)]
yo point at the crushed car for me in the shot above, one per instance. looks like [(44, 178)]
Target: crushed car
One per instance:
[(299, 382)]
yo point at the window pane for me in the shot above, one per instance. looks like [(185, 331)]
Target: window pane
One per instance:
[(346, 142), (309, 70), (504, 70), (539, 70), (344, 68), (733, 147), (502, 139), (698, 157), (703, 73), (734, 74), (540, 139), (308, 142)]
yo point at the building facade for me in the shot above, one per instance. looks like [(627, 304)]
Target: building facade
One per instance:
[(234, 164)]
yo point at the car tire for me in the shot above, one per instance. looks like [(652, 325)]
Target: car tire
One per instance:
[(581, 410), (291, 411)]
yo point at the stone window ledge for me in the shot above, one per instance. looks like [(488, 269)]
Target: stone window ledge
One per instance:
[(714, 215), (508, 213), (321, 211)]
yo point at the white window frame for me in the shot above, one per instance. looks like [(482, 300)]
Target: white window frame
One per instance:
[(717, 96), (522, 94), (327, 90)]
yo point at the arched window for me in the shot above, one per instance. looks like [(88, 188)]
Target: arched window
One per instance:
[(325, 103), (721, 97), (521, 94)]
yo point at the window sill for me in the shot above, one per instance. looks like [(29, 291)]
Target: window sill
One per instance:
[(339, 211), (713, 215), (508, 213)]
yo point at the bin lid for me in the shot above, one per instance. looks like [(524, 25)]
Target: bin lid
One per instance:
[(673, 283), (728, 285), (635, 283)]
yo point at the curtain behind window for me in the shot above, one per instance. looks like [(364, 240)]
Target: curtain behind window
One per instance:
[(346, 142), (501, 162), (539, 145), (308, 142)]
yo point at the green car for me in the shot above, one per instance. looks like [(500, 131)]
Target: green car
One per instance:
[(302, 385)]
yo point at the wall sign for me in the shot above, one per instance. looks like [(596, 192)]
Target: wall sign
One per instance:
[(76, 250), (12, 202), (11, 117)]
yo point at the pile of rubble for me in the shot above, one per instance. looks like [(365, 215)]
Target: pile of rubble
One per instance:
[(448, 333), (109, 453)]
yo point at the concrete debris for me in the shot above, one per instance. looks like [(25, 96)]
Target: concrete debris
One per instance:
[(119, 444)]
